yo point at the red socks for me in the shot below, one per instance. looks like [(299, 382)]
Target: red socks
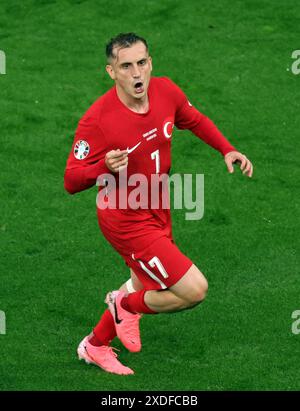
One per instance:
[(134, 303), (104, 331)]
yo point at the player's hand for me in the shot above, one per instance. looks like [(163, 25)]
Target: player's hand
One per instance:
[(116, 160), (234, 157)]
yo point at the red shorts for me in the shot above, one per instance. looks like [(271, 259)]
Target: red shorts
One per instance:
[(160, 265), (145, 242)]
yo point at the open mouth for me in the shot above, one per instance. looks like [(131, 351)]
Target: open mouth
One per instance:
[(139, 88)]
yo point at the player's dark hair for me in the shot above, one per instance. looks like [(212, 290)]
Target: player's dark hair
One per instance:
[(123, 40)]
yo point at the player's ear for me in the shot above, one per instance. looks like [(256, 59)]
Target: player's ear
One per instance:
[(150, 62), (110, 71)]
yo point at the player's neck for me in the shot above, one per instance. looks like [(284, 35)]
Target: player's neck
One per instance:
[(137, 105)]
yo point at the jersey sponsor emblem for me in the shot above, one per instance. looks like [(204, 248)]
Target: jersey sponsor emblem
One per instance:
[(81, 149), (150, 134), (168, 128)]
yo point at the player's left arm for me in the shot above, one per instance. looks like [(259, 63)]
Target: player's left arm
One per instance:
[(205, 129), (188, 117)]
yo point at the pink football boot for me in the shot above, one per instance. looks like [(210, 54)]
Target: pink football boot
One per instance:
[(126, 323), (104, 357)]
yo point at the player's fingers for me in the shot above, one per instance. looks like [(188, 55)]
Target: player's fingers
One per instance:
[(229, 165), (115, 156), (113, 165), (120, 164), (250, 174), (247, 167), (120, 153), (116, 160), (116, 153), (243, 161), (109, 154)]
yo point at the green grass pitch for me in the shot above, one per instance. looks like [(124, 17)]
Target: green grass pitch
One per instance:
[(233, 60)]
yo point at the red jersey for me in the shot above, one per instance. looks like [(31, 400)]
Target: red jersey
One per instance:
[(109, 125)]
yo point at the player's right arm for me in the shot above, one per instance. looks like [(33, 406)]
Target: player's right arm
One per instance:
[(90, 157)]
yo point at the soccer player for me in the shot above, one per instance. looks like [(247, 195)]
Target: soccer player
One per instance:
[(130, 128)]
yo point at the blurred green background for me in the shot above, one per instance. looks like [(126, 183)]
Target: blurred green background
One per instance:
[(233, 60)]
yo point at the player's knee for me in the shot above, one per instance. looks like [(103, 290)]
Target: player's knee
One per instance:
[(198, 293), (136, 283)]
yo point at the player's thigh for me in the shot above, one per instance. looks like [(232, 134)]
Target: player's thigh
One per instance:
[(192, 287), (133, 284), (136, 283), (159, 266)]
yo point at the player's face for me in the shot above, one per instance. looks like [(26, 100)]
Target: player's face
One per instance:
[(131, 70)]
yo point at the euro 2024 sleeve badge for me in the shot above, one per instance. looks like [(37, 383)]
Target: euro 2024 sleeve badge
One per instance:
[(81, 149)]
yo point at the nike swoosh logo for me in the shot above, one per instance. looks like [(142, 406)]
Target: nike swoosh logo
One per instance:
[(130, 150), (116, 315)]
